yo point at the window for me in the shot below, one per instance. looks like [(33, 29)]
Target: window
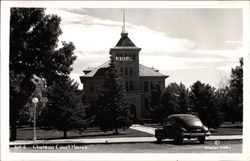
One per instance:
[(168, 122), (130, 71), (98, 86), (118, 57), (152, 85), (133, 57), (121, 70), (146, 105), (122, 57), (145, 86), (131, 85), (126, 71), (126, 85)]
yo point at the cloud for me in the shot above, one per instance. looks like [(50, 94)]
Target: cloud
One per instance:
[(94, 34), (93, 37), (212, 64), (215, 77)]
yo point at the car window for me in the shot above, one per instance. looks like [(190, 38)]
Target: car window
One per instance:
[(170, 122)]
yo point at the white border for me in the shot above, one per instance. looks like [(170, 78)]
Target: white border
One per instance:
[(6, 155)]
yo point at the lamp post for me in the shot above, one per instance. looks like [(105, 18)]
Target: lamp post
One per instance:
[(34, 101)]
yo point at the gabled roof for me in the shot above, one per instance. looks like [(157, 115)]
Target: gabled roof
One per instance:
[(125, 41), (143, 71), (98, 71), (149, 72)]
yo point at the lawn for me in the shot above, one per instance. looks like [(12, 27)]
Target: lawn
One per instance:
[(228, 129), (26, 133)]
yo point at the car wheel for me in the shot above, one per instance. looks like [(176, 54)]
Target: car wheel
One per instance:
[(159, 140), (202, 139), (178, 139)]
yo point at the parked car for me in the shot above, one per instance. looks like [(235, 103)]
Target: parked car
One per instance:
[(180, 126)]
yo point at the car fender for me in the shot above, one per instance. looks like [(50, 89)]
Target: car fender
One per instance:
[(159, 133)]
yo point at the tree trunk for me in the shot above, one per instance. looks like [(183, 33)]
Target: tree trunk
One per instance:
[(13, 119), (65, 134), (13, 132), (116, 131)]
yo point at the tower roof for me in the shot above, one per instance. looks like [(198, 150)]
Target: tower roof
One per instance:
[(125, 41)]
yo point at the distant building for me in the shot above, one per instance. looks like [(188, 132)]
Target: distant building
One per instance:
[(139, 79)]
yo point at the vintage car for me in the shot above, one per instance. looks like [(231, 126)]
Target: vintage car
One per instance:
[(180, 126)]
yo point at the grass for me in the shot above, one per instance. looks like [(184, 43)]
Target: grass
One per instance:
[(26, 133)]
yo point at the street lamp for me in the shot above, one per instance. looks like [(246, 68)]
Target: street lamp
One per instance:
[(34, 101)]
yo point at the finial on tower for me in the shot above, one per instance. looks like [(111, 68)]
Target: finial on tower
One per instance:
[(123, 28)]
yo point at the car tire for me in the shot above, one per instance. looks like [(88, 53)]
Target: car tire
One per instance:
[(178, 139), (159, 140), (202, 139)]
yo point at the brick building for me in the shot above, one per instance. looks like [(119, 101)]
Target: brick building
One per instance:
[(139, 79)]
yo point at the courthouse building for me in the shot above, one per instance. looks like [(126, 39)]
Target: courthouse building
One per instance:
[(139, 79)]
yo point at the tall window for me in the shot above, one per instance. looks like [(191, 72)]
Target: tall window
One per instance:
[(153, 85), (146, 104), (121, 70), (145, 86), (131, 85), (133, 57), (130, 71), (126, 85), (126, 71)]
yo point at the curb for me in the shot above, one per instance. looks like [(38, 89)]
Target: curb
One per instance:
[(107, 141)]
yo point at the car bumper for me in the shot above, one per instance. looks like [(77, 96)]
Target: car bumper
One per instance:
[(190, 134)]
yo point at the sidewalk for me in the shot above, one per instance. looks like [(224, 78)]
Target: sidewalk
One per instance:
[(149, 130)]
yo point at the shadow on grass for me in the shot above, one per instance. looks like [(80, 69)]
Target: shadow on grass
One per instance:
[(86, 136)]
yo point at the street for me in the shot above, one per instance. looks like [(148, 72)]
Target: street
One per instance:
[(232, 146)]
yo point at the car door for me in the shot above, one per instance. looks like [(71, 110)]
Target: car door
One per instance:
[(168, 128)]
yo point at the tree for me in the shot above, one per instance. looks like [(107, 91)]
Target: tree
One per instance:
[(65, 110), (111, 111), (203, 101), (222, 98), (155, 103), (175, 99), (168, 104), (39, 92), (170, 99), (182, 94), (33, 50), (236, 93)]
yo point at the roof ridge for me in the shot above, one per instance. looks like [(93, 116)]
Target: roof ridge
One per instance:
[(97, 67)]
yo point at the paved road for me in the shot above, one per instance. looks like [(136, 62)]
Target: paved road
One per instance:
[(214, 144), (165, 147), (151, 130)]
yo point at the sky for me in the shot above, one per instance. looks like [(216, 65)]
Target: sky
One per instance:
[(185, 44)]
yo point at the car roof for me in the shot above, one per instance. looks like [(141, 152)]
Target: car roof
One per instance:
[(182, 116)]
